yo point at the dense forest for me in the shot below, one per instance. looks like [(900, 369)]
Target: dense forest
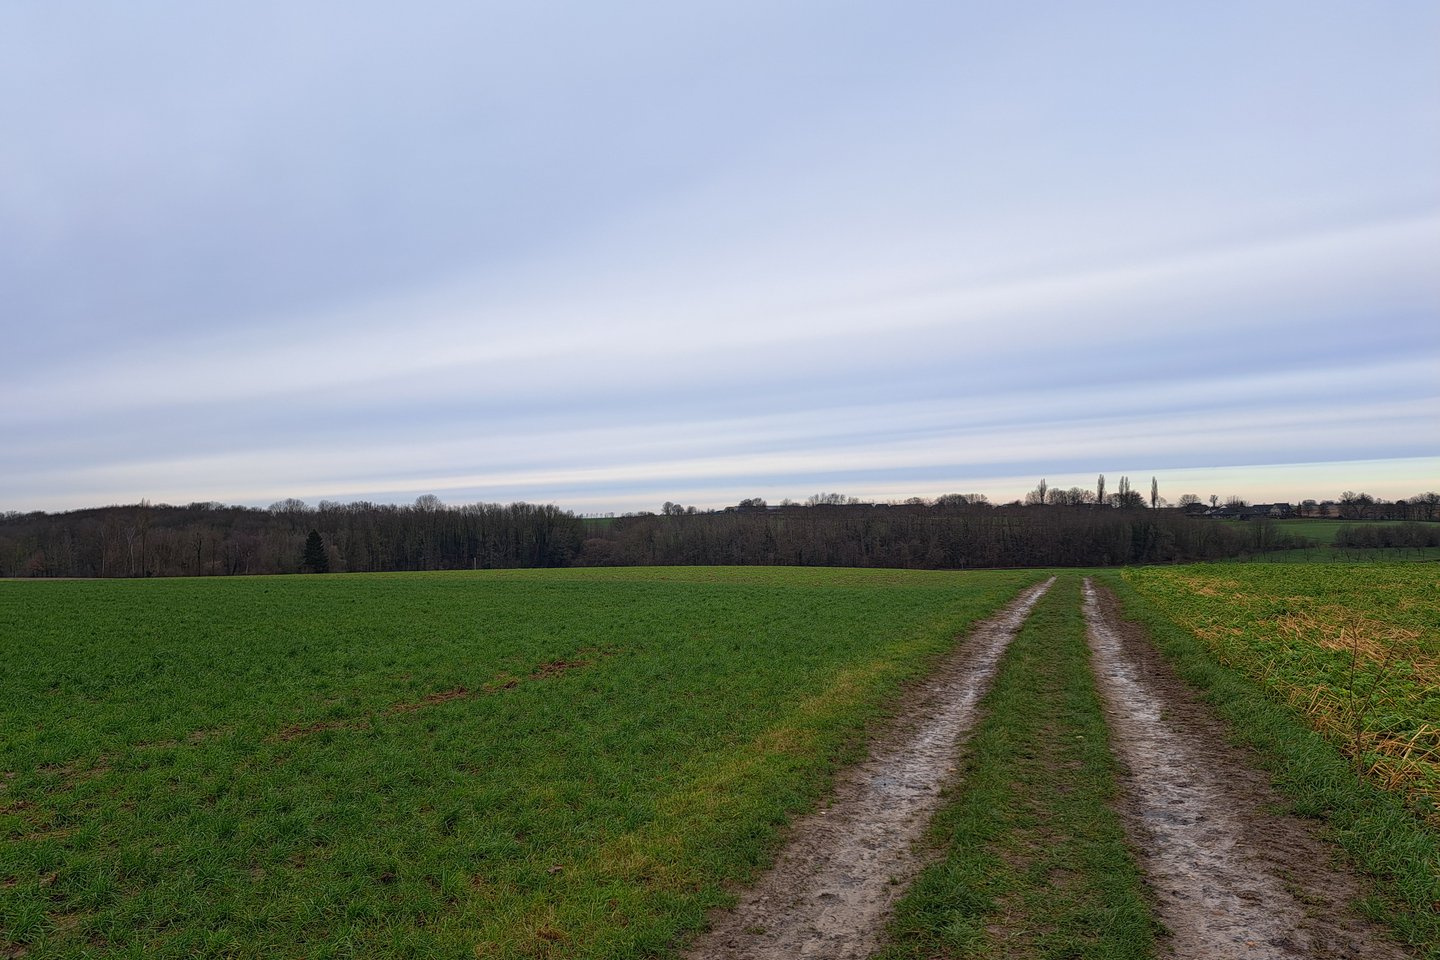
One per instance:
[(927, 536), (205, 539), (1051, 528)]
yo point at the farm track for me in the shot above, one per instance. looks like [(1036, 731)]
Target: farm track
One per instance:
[(1230, 876), (845, 865)]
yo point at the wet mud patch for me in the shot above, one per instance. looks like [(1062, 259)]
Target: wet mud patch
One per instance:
[(845, 865), (1232, 875)]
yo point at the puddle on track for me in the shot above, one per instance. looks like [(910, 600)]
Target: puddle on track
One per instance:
[(834, 884), (1221, 868)]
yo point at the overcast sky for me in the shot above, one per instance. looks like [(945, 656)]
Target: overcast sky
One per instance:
[(607, 255)]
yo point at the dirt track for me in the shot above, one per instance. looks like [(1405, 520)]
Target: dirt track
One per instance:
[(1231, 877), (835, 882)]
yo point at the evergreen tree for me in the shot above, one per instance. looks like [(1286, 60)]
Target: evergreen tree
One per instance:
[(316, 560)]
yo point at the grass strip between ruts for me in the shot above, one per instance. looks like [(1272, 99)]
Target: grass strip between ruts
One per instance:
[(1036, 861), (1389, 841)]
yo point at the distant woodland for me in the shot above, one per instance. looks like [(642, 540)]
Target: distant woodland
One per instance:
[(1055, 528)]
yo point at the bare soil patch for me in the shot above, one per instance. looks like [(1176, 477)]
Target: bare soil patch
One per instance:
[(1232, 874), (544, 671), (846, 864), (429, 700)]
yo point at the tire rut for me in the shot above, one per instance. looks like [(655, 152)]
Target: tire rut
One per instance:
[(1231, 877), (845, 865)]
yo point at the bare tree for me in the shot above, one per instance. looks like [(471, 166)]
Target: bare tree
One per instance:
[(1126, 498), (962, 500), (1356, 506), (142, 526), (109, 540), (830, 500)]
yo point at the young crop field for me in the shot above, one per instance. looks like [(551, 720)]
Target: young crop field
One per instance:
[(495, 764), (1355, 648)]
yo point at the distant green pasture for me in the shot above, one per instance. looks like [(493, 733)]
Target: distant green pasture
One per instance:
[(1324, 531)]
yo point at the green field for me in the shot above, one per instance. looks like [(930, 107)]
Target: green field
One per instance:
[(581, 763), (1324, 531), (1320, 547), (500, 764), (1326, 553)]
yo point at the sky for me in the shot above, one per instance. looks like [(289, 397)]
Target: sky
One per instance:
[(610, 255)]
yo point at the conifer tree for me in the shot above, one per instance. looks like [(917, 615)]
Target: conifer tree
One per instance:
[(316, 560)]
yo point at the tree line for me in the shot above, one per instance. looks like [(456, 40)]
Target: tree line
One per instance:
[(1388, 536), (1048, 527), (951, 532), (212, 539), (1362, 506)]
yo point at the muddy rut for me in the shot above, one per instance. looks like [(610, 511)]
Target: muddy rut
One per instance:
[(835, 882), (1230, 876)]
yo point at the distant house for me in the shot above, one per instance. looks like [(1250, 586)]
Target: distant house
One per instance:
[(1256, 511)]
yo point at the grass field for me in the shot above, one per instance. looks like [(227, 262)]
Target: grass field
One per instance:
[(581, 763), (1356, 648), (440, 765)]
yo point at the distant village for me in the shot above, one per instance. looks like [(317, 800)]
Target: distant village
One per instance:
[(1361, 507), (1350, 506)]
